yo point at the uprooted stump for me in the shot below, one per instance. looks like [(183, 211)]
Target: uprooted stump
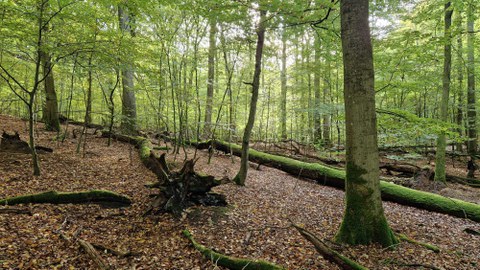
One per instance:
[(182, 189), (102, 197), (13, 143)]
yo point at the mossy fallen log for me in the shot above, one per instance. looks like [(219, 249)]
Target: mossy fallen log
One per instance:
[(328, 253), (333, 177), (231, 262), (93, 196), (412, 241)]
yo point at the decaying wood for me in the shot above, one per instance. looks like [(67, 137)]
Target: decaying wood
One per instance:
[(425, 245), (89, 250), (112, 251), (228, 261), (15, 211), (179, 190), (472, 231), (103, 197), (93, 254), (13, 143), (328, 253)]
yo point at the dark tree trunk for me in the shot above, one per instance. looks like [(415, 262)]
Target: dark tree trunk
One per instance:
[(242, 174), (50, 108), (471, 107)]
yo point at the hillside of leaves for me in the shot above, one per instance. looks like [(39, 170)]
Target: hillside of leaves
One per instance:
[(256, 224)]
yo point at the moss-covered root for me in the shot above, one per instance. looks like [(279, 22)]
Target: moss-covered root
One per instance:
[(328, 253), (231, 262), (54, 197), (431, 247)]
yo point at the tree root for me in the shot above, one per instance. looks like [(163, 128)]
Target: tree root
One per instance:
[(425, 245), (103, 197), (231, 262), (328, 253)]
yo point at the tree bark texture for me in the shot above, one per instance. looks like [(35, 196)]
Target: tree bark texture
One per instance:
[(447, 64), (50, 108), (129, 106), (471, 106), (211, 78), (364, 221)]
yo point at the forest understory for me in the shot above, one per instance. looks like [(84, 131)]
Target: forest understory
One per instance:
[(256, 224)]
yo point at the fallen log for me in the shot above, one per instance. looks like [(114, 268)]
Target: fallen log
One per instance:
[(230, 262), (89, 250), (93, 254), (328, 253), (333, 177), (102, 197), (15, 211)]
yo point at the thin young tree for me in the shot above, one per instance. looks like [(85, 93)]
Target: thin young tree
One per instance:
[(242, 173), (364, 221)]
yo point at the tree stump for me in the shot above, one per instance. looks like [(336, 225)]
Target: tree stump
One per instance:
[(13, 143), (182, 189)]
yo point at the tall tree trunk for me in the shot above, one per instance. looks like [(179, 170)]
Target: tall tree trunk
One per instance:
[(283, 90), (129, 105), (316, 86), (471, 106), (460, 81), (364, 221), (242, 173), (211, 78), (447, 63), (50, 108), (326, 94)]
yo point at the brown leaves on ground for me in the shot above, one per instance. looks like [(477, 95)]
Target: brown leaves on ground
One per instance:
[(255, 225)]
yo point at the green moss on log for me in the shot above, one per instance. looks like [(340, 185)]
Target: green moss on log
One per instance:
[(330, 176), (425, 245), (231, 262), (54, 197)]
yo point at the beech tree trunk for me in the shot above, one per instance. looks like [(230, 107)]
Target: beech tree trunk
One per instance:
[(283, 89), (50, 108), (471, 106), (129, 106), (242, 174), (317, 124), (460, 81), (440, 174), (364, 221), (211, 78)]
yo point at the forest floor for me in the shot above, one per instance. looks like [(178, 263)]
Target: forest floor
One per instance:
[(255, 224)]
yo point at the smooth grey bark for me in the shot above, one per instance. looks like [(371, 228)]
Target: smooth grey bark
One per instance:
[(364, 221), (326, 95), (460, 89), (440, 174), (242, 173), (211, 78), (129, 105), (317, 120), (471, 100), (283, 89)]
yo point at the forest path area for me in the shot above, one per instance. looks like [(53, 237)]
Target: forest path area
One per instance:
[(255, 224)]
